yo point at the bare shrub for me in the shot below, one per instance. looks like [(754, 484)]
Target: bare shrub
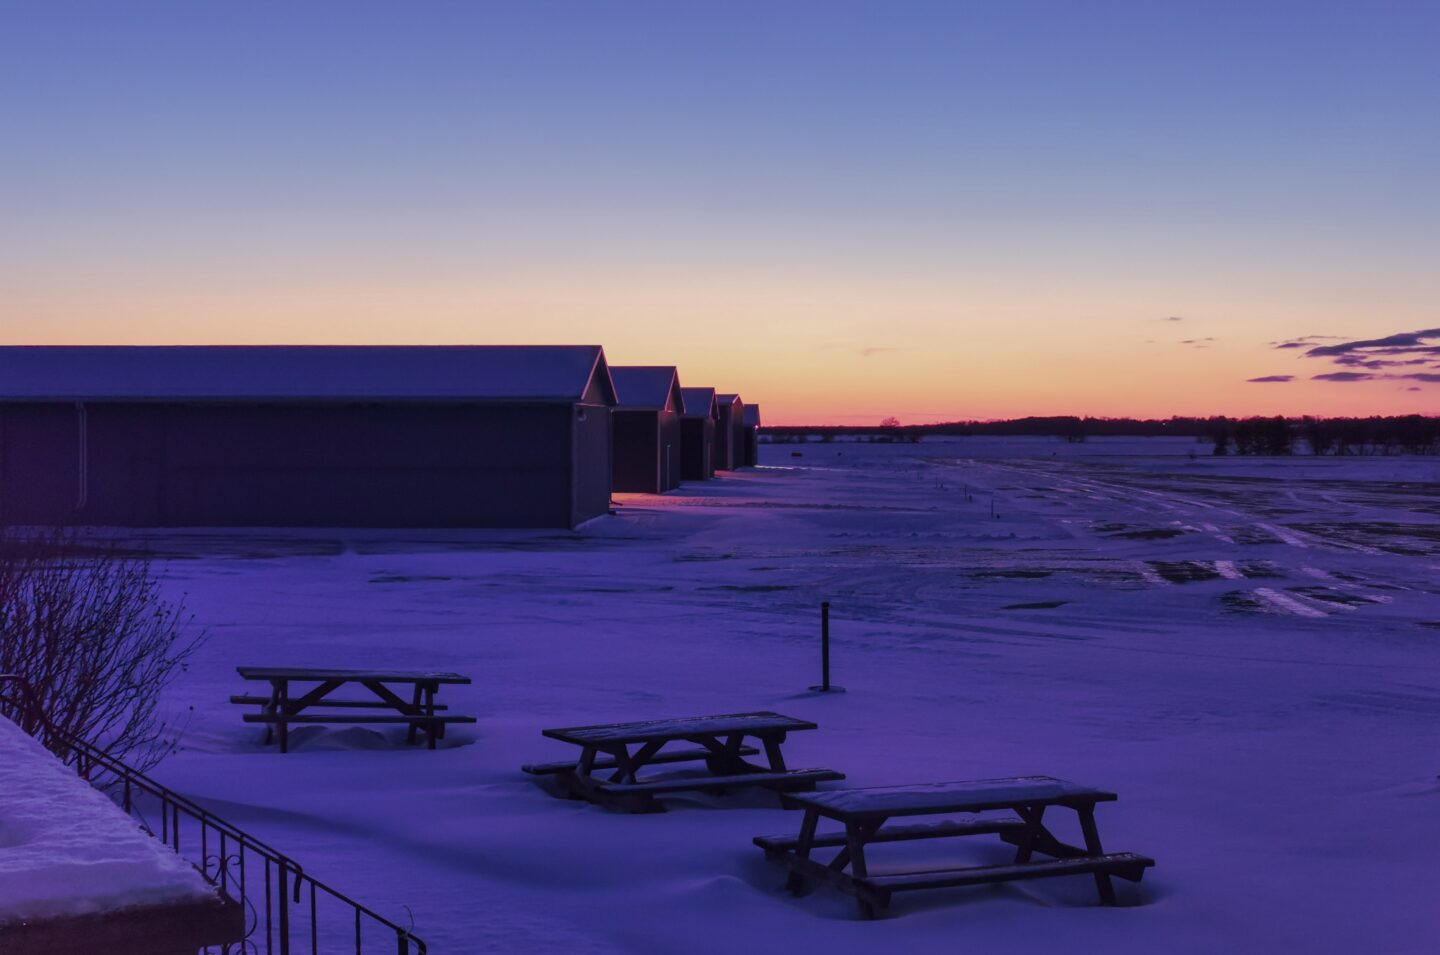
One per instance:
[(91, 632)]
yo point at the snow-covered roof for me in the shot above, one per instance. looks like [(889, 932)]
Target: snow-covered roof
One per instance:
[(646, 386), (699, 402), (752, 416), (303, 372), (66, 849)]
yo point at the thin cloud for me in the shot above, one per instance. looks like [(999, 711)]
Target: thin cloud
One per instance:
[(1345, 376), (1359, 361), (1305, 341), (1267, 379)]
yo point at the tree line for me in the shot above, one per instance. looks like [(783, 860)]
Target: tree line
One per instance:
[(1257, 435), (1397, 434)]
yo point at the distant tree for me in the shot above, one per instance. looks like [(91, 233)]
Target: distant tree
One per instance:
[(1320, 436), (1275, 436), (890, 423), (1220, 435)]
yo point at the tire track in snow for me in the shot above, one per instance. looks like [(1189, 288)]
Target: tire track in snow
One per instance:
[(1218, 534), (1151, 576), (1228, 570), (1282, 534), (1336, 583), (1287, 603), (1125, 494)]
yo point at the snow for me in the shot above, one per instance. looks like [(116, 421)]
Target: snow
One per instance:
[(230, 373), (717, 725), (926, 797), (66, 849), (1113, 623)]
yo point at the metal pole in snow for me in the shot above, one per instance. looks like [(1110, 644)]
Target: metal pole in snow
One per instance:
[(825, 685), (825, 646)]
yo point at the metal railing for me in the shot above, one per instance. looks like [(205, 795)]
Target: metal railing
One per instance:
[(288, 912)]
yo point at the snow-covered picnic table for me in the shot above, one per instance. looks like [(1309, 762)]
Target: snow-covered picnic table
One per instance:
[(282, 707), (866, 812), (717, 740)]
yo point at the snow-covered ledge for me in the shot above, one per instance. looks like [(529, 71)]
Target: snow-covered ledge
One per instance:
[(77, 873)]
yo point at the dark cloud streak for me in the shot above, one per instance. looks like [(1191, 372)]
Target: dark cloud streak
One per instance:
[(1374, 355), (1391, 344), (1344, 376)]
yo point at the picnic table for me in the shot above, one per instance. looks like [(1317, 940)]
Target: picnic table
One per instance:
[(312, 702), (611, 756), (866, 815)]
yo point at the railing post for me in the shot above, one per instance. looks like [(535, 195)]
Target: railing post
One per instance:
[(284, 900)]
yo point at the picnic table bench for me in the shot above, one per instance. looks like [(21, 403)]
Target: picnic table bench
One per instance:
[(606, 771), (865, 814), (285, 706)]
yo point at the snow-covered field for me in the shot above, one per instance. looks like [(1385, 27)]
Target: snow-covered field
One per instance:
[(1248, 651)]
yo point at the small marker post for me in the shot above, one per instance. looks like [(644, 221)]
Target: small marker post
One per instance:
[(825, 685)]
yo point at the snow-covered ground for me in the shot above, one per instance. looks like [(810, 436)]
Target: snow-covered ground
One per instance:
[(67, 850), (1247, 650)]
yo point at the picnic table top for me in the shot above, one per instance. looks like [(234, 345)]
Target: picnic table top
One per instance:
[(761, 723), (384, 676), (974, 795)]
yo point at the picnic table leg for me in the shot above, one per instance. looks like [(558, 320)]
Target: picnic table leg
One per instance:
[(733, 744), (627, 764), (1025, 846), (429, 707), (282, 708), (270, 709), (434, 729), (414, 727), (772, 752), (724, 758), (1092, 846), (576, 782), (795, 882), (855, 836)]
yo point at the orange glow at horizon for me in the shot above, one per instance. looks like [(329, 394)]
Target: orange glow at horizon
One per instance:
[(828, 353)]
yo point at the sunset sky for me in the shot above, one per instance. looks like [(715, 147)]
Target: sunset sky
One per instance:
[(844, 211)]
